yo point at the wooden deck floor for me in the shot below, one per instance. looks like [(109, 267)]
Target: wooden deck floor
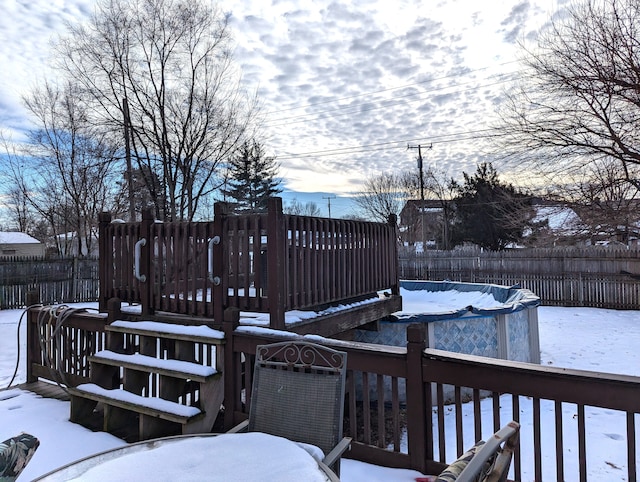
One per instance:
[(45, 389)]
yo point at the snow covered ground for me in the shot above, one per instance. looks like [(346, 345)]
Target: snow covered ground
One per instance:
[(591, 339)]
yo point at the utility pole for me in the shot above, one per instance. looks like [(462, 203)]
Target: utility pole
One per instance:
[(329, 198), (127, 147), (419, 147)]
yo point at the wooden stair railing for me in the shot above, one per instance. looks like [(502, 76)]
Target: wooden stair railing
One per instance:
[(155, 379)]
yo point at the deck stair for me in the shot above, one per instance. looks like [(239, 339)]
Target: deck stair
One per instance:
[(154, 379)]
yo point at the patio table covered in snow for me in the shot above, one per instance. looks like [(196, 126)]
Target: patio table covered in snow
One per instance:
[(250, 456)]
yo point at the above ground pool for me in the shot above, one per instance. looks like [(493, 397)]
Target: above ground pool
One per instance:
[(470, 318), (474, 319)]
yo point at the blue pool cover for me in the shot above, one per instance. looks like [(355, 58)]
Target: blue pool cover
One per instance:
[(511, 299)]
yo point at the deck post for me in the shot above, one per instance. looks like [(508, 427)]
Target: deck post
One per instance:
[(146, 287), (105, 257), (393, 262), (416, 400), (114, 310), (33, 345), (115, 340), (220, 262), (230, 369), (276, 252)]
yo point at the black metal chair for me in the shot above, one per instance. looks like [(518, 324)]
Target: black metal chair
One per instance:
[(298, 393)]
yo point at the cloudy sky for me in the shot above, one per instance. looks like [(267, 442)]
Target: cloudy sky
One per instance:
[(346, 86)]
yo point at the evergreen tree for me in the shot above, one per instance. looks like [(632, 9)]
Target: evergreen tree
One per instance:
[(489, 213), (251, 178)]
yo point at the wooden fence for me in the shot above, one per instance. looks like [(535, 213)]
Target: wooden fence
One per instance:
[(594, 277), (395, 395), (62, 280), (590, 277)]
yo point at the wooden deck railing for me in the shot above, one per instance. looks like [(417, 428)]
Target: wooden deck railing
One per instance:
[(269, 263), (117, 242), (405, 392), (59, 344), (397, 408), (570, 397)]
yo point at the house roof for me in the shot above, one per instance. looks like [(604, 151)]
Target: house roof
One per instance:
[(414, 207), (14, 237), (426, 204), (560, 218)]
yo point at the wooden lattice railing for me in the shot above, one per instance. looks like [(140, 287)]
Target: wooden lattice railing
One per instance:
[(269, 263)]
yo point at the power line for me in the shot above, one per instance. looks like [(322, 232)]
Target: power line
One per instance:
[(381, 146)]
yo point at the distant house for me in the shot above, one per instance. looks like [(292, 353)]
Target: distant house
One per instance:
[(556, 225), (67, 244), (19, 244), (421, 223), (612, 222), (581, 224)]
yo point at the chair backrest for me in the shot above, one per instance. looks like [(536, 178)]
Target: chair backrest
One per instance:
[(15, 454), (298, 393), (492, 461)]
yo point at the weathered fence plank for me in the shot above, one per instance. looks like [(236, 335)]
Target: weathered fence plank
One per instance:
[(62, 280), (592, 277)]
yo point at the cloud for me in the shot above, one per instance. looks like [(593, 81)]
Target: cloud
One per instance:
[(516, 21), (27, 29), (366, 77)]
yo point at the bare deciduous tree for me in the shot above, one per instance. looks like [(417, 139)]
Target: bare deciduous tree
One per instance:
[(442, 188), (298, 208), (581, 101), (605, 201), (171, 61), (385, 194), (16, 209), (66, 171)]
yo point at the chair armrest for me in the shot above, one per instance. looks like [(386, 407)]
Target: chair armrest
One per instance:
[(508, 434), (241, 427), (337, 451), (331, 475)]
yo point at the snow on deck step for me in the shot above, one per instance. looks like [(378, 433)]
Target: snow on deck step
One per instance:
[(124, 399), (177, 368), (198, 333)]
